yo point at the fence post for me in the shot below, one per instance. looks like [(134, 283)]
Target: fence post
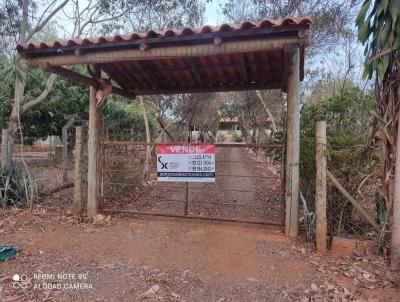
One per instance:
[(78, 171), (64, 138), (320, 187), (4, 149), (93, 149)]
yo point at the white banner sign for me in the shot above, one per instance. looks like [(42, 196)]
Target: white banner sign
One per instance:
[(186, 163)]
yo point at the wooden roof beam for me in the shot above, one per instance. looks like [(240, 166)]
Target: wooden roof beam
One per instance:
[(164, 53), (179, 90), (288, 61), (81, 79)]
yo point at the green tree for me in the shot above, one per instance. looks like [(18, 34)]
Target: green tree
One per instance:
[(379, 30), (125, 121)]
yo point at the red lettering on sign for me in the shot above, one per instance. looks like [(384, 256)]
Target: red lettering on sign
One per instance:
[(185, 149)]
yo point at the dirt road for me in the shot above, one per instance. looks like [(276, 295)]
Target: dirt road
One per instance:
[(247, 187)]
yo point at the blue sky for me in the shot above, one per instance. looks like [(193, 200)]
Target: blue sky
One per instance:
[(213, 14)]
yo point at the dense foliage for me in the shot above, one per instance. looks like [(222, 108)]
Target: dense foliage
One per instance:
[(125, 121), (66, 100), (348, 117)]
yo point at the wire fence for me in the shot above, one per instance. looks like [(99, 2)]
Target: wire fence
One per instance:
[(248, 184), (351, 169), (124, 185)]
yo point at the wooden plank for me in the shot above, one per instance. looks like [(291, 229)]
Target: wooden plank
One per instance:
[(288, 51), (236, 87), (293, 149), (93, 148), (133, 212), (81, 79), (320, 188), (128, 143), (354, 202), (163, 53), (206, 65)]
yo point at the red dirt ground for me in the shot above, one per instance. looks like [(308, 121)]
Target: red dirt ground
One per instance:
[(153, 259), (186, 260)]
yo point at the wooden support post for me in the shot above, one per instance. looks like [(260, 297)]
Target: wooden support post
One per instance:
[(78, 204), (283, 186), (65, 158), (320, 187), (293, 146), (93, 148), (4, 149)]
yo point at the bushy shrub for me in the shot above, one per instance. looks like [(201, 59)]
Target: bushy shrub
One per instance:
[(17, 188)]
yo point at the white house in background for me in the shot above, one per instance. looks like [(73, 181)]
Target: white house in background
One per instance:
[(228, 130)]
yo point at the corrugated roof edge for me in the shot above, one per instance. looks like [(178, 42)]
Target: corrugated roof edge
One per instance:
[(168, 33)]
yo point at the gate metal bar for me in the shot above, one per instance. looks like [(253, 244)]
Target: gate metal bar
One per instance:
[(142, 213), (123, 143), (187, 187)]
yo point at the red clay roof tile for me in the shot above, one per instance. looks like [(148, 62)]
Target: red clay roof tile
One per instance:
[(151, 34)]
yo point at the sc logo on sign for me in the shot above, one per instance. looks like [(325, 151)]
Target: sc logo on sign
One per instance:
[(20, 281), (163, 165)]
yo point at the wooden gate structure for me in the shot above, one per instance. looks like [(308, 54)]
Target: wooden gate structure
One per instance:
[(251, 55), (247, 188)]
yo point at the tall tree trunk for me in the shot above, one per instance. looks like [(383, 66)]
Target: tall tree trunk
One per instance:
[(165, 129), (388, 111), (148, 141), (270, 116), (19, 90), (254, 135), (395, 239), (13, 123), (243, 128)]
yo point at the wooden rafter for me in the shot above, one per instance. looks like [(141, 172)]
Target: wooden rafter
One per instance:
[(288, 51), (81, 79), (177, 90)]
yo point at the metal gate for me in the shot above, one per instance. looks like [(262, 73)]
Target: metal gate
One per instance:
[(249, 185)]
